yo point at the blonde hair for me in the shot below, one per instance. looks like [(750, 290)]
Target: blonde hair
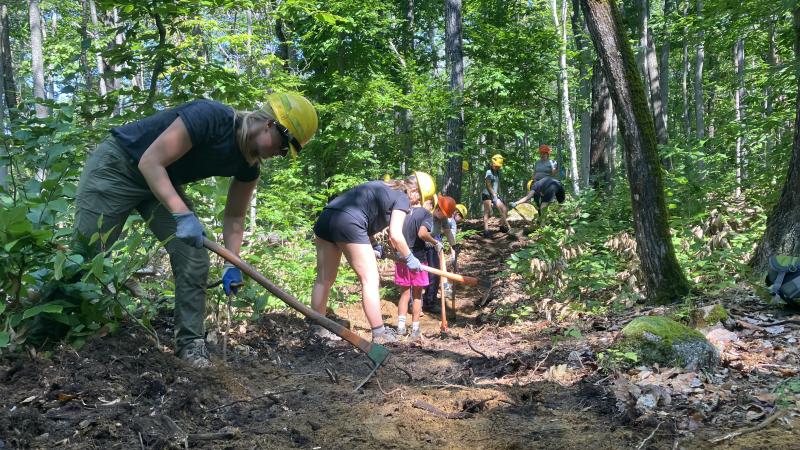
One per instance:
[(246, 120), (409, 184)]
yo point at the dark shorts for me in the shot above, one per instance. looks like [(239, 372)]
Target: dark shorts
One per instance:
[(548, 196), (485, 197), (338, 226)]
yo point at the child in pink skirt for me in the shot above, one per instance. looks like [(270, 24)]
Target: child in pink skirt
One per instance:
[(417, 231)]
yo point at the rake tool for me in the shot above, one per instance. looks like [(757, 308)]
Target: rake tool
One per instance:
[(375, 352)]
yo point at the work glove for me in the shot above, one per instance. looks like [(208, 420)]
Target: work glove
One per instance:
[(495, 199), (513, 205), (412, 262), (439, 247), (189, 229), (231, 279), (457, 248), (378, 249)]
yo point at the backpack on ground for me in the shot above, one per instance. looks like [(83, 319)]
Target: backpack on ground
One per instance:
[(783, 277)]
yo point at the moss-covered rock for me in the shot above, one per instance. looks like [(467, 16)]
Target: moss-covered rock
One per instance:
[(710, 315), (656, 339)]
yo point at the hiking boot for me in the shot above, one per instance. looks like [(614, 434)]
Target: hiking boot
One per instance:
[(195, 354), (503, 229), (389, 336), (415, 335), (487, 233), (324, 334)]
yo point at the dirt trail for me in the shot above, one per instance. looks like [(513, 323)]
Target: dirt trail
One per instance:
[(486, 385)]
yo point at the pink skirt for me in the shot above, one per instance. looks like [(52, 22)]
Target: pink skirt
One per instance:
[(405, 277)]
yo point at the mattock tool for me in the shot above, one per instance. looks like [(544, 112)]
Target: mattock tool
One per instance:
[(481, 283), (443, 266), (375, 352)]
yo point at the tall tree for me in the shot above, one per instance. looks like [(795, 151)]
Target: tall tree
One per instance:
[(687, 122), (663, 65), (99, 58), (699, 60), (9, 85), (455, 123), (664, 279), (405, 113), (602, 121), (738, 94), (782, 235), (559, 19), (585, 115), (37, 58)]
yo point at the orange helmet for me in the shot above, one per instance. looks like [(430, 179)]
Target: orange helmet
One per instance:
[(446, 204), (544, 148)]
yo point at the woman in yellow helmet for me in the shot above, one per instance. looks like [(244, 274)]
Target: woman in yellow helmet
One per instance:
[(345, 227), (143, 165), (490, 196)]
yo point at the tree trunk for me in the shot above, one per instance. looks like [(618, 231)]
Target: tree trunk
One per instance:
[(584, 62), (655, 86), (37, 59), (699, 59), (455, 124), (772, 61), (687, 122), (602, 118), (561, 28), (9, 85), (158, 66), (663, 66), (738, 94), (782, 235), (406, 118), (664, 280), (86, 42), (99, 58)]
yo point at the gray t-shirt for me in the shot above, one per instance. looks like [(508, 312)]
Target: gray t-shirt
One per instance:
[(544, 169), (494, 178), (439, 225)]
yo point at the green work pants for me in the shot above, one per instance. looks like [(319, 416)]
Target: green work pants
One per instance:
[(111, 187)]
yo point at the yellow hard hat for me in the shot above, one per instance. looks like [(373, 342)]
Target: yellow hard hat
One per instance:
[(497, 160), (387, 177), (462, 210), (426, 185), (530, 183), (297, 115)]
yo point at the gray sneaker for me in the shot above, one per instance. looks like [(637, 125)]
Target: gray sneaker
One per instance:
[(318, 331), (389, 336), (415, 335), (195, 354)]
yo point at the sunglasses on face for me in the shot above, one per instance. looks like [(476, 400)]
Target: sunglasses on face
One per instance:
[(286, 139)]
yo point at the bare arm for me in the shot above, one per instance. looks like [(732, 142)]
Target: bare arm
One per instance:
[(396, 232), (239, 194), (489, 188), (168, 147), (425, 235)]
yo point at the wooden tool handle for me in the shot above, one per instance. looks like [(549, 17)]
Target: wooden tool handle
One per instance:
[(469, 281), (289, 299)]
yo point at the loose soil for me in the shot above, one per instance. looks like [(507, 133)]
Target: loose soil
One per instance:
[(487, 383)]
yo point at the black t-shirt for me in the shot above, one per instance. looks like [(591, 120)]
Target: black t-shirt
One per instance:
[(214, 152), (419, 217), (371, 203)]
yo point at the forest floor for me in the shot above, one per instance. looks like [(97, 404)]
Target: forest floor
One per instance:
[(487, 384)]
